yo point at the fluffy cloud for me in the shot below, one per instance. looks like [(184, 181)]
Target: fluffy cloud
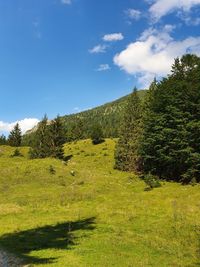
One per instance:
[(103, 67), (98, 49), (153, 54), (113, 37), (25, 124), (133, 13), (66, 2), (161, 8)]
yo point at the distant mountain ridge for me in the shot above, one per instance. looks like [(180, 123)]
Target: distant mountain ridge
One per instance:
[(108, 115)]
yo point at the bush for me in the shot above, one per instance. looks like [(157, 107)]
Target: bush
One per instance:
[(97, 135), (17, 153), (151, 181), (52, 169)]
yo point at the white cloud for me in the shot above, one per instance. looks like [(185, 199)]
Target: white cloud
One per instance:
[(98, 49), (161, 8), (66, 2), (133, 13), (25, 124), (113, 37), (103, 67), (188, 18), (153, 54)]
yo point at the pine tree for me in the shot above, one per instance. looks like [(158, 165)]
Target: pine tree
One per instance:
[(41, 143), (48, 139), (126, 154), (15, 136), (170, 142), (57, 138)]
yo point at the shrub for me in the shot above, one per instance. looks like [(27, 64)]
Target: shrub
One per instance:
[(151, 181), (52, 170), (17, 153)]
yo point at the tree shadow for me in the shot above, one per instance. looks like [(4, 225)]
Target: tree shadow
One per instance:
[(59, 236)]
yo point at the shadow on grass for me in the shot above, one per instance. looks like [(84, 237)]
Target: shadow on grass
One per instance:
[(60, 236)]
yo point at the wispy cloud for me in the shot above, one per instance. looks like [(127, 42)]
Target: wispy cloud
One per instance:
[(113, 37), (133, 14), (103, 67), (153, 54), (25, 124), (161, 8), (98, 49)]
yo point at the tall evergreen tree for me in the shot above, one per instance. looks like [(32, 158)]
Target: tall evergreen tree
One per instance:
[(15, 136), (170, 142), (48, 139), (57, 138), (41, 143), (126, 154)]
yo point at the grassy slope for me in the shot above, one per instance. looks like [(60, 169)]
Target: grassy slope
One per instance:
[(100, 217)]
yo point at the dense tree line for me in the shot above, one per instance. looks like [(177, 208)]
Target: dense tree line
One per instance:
[(48, 139), (80, 125), (3, 140), (165, 140)]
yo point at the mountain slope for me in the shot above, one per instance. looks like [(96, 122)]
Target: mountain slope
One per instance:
[(109, 116), (78, 126)]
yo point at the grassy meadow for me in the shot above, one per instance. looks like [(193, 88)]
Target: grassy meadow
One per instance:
[(85, 213)]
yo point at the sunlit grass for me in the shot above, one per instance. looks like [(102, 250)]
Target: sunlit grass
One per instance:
[(88, 214)]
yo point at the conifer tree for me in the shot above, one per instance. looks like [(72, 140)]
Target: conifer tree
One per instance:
[(170, 142), (15, 136), (41, 143), (57, 138), (126, 154)]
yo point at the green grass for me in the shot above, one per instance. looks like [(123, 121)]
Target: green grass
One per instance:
[(97, 217)]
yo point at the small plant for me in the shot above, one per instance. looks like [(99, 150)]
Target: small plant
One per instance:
[(17, 153), (52, 170), (151, 181), (67, 158)]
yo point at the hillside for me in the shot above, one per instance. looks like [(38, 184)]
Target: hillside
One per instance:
[(108, 115), (87, 214)]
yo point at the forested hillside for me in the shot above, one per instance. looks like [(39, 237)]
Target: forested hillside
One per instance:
[(78, 126)]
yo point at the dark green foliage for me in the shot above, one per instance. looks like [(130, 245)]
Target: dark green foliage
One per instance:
[(3, 140), (78, 126), (40, 147), (52, 170), (166, 141), (170, 146), (76, 130), (56, 138), (126, 154), (151, 181), (17, 153), (15, 136), (48, 139), (97, 134)]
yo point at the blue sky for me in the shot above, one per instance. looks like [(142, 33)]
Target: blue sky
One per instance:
[(62, 56)]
